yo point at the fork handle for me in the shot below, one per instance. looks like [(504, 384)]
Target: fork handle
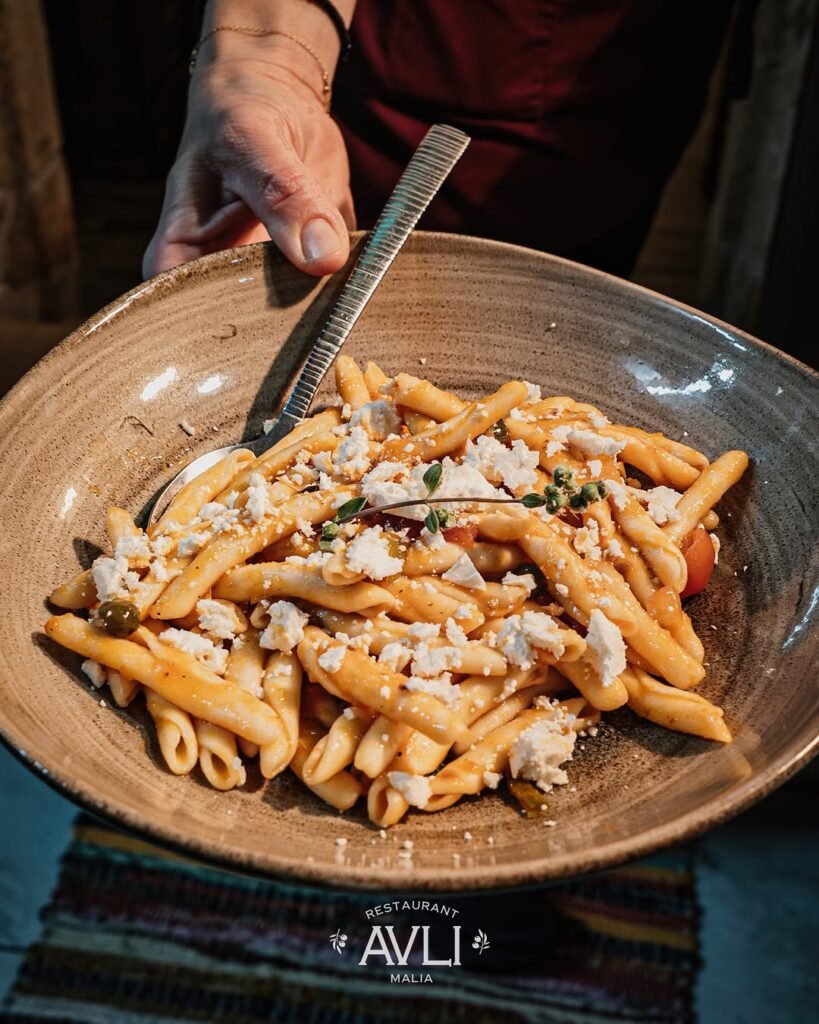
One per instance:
[(437, 154)]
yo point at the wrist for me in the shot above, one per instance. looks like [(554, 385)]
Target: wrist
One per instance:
[(281, 57), (300, 18)]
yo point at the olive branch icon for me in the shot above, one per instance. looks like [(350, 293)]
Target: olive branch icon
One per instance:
[(338, 940), (480, 942)]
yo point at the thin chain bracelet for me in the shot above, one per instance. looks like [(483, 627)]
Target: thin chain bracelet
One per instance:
[(327, 89)]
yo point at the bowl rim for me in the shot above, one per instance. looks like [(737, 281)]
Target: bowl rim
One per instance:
[(535, 871)]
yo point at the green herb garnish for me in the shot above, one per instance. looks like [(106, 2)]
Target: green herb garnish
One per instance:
[(432, 478)]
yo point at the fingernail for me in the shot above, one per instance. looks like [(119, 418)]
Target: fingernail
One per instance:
[(318, 240)]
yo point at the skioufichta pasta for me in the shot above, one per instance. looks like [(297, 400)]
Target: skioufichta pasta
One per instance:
[(412, 597)]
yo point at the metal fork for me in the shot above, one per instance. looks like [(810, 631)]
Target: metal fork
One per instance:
[(437, 154)]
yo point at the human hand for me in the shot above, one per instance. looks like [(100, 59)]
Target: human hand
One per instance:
[(259, 158)]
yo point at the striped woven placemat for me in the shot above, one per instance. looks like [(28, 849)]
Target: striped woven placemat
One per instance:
[(136, 934)]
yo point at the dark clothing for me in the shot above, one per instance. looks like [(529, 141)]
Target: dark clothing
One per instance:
[(578, 110)]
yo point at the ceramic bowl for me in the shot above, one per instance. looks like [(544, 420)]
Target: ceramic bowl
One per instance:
[(213, 343)]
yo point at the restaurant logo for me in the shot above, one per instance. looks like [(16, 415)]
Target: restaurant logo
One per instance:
[(407, 951)]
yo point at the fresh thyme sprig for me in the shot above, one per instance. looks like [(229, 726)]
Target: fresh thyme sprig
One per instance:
[(555, 497)]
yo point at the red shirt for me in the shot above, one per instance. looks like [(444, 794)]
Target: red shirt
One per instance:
[(578, 109)]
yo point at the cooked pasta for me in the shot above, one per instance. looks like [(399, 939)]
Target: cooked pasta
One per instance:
[(412, 596)]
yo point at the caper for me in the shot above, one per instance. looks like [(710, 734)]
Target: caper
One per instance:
[(577, 501), (590, 492), (562, 476), (118, 618)]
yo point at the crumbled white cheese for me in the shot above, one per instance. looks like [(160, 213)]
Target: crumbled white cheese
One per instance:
[(423, 631), (590, 443), (96, 673), (349, 713), (461, 481), (614, 549), (464, 574), (133, 547), (433, 541), (285, 629), (533, 392), (605, 647), (352, 458), (369, 553), (433, 661), (395, 657), (440, 687), (389, 482), (158, 571), (525, 580), (595, 467), (661, 504), (332, 659), (385, 692), (202, 648), (218, 517), (304, 527), (619, 492), (191, 544), (519, 634), (562, 589), (258, 499), (464, 611), (162, 545), (598, 420), (217, 619), (540, 750), (586, 540), (112, 578), (454, 633), (415, 789), (491, 779), (378, 418), (513, 467)]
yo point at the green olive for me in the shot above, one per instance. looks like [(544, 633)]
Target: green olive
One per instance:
[(118, 618)]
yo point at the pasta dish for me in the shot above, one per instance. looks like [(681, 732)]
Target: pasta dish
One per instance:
[(412, 597)]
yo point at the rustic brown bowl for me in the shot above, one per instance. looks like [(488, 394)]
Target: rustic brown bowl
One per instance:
[(214, 343)]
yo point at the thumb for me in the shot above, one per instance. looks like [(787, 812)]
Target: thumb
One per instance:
[(297, 212)]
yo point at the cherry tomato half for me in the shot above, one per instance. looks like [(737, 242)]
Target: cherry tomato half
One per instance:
[(700, 558), (463, 535)]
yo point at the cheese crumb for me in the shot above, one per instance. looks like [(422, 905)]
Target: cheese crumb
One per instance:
[(514, 467), (285, 629), (454, 633), (217, 618), (605, 647), (439, 687), (258, 499), (332, 659), (519, 634), (395, 657), (526, 580), (378, 418), (352, 458), (464, 574), (95, 672), (369, 553), (415, 789), (590, 443), (202, 648), (491, 779), (661, 504), (539, 751), (586, 540)]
